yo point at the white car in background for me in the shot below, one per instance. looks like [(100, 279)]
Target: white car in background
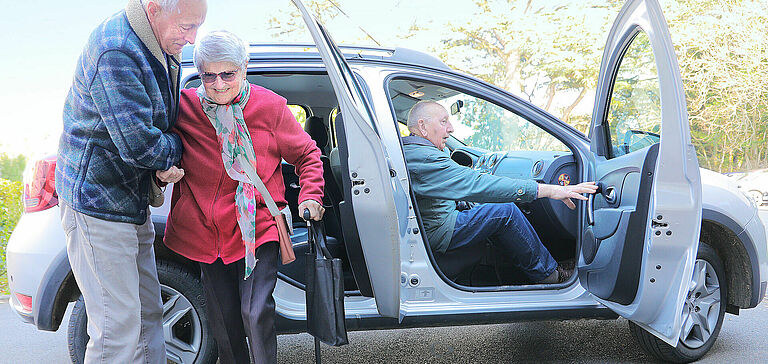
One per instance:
[(754, 184)]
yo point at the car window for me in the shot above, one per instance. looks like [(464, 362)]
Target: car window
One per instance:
[(483, 124), (332, 117), (403, 129), (477, 122), (634, 112), (300, 113)]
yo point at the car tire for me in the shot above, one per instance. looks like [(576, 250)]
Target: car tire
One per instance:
[(77, 332), (184, 312), (698, 340)]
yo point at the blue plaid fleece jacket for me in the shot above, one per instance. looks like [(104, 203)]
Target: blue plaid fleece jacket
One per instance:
[(116, 116)]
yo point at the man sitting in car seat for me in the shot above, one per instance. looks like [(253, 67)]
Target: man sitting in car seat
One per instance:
[(439, 183)]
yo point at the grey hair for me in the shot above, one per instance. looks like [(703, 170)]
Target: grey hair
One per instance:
[(421, 111), (220, 46), (164, 4)]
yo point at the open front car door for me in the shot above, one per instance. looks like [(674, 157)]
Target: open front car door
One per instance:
[(641, 231), (367, 180)]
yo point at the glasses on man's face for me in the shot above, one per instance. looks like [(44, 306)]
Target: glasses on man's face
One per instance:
[(209, 77)]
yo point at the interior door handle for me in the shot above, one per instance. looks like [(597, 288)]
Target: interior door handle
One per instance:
[(591, 204)]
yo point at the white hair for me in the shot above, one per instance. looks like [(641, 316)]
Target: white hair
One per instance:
[(220, 46), (164, 4), (423, 110)]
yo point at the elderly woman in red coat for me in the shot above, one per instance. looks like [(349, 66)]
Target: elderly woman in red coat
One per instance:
[(228, 128)]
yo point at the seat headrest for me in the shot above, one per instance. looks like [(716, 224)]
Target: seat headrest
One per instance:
[(315, 127)]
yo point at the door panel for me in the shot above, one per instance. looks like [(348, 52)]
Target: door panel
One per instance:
[(639, 243), (368, 178), (615, 271)]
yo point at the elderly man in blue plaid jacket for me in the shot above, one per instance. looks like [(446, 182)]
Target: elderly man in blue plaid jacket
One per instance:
[(122, 102)]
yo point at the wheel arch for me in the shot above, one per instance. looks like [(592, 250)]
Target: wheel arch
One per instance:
[(162, 252), (57, 289), (737, 252)]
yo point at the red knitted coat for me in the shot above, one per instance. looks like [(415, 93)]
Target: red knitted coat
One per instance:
[(202, 225)]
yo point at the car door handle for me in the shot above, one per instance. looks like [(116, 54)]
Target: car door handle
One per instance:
[(591, 203)]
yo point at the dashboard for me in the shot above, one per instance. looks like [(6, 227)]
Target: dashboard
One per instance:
[(549, 217)]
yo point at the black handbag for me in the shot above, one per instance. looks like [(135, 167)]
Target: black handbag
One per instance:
[(325, 291)]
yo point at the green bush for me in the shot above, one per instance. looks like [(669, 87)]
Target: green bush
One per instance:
[(11, 168), (10, 212)]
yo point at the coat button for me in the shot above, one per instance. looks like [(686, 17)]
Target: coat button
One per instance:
[(520, 191)]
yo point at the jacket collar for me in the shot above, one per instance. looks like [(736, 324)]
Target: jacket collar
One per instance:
[(139, 22), (417, 140)]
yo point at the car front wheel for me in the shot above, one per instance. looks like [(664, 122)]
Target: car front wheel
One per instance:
[(702, 314), (185, 324)]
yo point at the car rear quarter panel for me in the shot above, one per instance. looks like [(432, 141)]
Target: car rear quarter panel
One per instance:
[(34, 245)]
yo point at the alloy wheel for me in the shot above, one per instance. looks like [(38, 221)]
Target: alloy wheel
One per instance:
[(182, 328), (702, 306)]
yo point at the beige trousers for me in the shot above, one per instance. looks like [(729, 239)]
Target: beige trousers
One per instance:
[(114, 266)]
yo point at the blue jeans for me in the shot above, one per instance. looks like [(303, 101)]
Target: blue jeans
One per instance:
[(510, 232)]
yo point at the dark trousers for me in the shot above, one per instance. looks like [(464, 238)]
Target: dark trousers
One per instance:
[(509, 231), (238, 307)]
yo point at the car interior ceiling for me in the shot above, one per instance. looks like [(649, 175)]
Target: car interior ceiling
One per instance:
[(315, 93)]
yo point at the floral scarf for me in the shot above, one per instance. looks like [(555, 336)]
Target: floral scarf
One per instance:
[(239, 162)]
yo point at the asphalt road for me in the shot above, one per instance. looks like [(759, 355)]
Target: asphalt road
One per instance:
[(742, 340)]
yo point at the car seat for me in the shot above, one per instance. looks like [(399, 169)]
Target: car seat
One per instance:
[(315, 127)]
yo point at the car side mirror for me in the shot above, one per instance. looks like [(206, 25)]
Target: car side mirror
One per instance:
[(456, 107)]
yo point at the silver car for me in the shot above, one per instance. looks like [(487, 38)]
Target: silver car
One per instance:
[(665, 244)]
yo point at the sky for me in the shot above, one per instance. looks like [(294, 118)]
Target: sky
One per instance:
[(40, 41)]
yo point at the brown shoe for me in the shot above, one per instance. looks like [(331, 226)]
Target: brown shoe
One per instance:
[(563, 275), (551, 279)]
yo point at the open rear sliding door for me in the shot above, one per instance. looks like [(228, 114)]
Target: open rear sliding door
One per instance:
[(372, 186), (640, 234)]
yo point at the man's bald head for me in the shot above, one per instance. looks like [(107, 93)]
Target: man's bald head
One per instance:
[(429, 120), (175, 22), (424, 110)]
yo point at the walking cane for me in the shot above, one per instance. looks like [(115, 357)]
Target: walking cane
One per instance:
[(317, 351), (318, 359)]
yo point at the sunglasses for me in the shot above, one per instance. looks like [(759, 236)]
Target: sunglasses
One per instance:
[(209, 77)]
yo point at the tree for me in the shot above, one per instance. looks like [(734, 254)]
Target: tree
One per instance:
[(289, 26), (506, 44), (723, 54), (10, 212), (12, 168), (721, 47), (286, 25), (549, 53)]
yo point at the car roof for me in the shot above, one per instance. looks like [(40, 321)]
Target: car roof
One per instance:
[(308, 52)]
